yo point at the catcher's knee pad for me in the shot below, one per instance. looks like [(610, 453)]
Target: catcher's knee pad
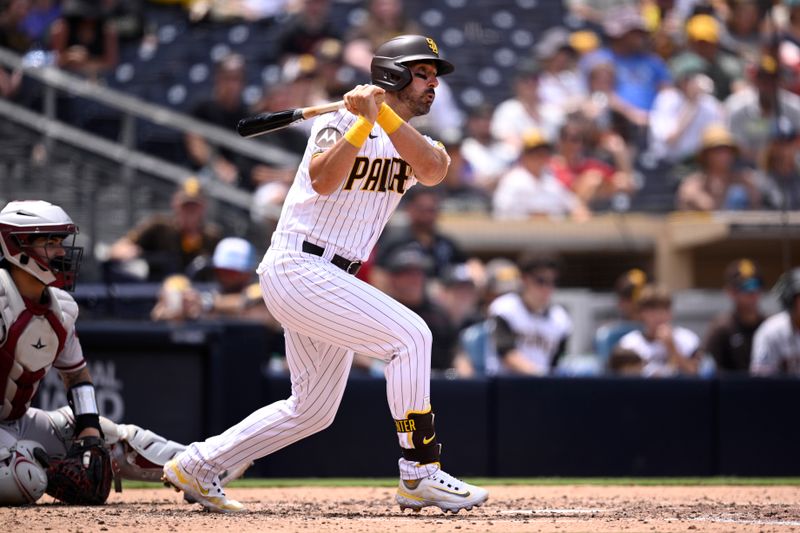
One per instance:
[(418, 437), (22, 478), (141, 454)]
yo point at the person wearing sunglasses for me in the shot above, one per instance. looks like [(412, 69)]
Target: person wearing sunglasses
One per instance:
[(530, 332)]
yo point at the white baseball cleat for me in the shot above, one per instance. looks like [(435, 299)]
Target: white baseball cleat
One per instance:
[(212, 497), (439, 490)]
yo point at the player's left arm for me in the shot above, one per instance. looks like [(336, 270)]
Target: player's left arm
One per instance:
[(430, 162), (82, 400)]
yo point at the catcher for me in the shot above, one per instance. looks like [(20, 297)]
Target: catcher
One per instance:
[(71, 453)]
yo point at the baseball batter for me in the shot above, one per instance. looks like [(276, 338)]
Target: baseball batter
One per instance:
[(358, 164)]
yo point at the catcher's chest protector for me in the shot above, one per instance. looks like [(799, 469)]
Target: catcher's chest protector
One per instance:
[(31, 336)]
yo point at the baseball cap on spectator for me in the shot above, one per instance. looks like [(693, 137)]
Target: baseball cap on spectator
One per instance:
[(528, 68), (584, 41), (686, 65), (553, 41), (502, 276), (534, 140), (743, 275), (457, 275), (703, 28), (717, 136), (533, 261), (654, 297), (767, 67), (624, 20), (630, 284), (190, 191), (407, 258), (234, 253)]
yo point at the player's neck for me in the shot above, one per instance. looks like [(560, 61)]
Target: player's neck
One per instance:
[(399, 107), (28, 286)]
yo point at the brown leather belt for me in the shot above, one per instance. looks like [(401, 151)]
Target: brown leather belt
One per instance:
[(351, 267)]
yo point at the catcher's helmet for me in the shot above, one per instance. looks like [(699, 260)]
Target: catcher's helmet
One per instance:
[(389, 69), (788, 287), (22, 222)]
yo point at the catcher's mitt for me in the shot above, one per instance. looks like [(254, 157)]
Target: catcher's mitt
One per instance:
[(83, 477)]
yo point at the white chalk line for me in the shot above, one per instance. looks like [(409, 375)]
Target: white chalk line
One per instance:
[(748, 521), (554, 511)]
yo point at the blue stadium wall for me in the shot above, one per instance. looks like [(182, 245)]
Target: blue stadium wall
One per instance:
[(190, 381)]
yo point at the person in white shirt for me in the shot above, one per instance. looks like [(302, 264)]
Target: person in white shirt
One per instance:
[(525, 111), (530, 188), (662, 348), (776, 343), (530, 332), (681, 113)]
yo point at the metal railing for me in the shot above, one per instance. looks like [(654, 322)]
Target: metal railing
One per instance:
[(124, 151)]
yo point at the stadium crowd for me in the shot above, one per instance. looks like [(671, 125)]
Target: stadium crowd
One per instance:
[(699, 98)]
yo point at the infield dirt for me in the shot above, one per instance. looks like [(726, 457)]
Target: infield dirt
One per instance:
[(362, 509)]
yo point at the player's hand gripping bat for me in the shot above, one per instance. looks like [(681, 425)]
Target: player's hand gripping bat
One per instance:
[(267, 122)]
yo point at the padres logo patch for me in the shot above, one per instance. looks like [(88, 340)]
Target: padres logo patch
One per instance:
[(432, 46), (327, 137)]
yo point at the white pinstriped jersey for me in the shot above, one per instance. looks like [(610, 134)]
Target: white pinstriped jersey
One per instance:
[(351, 219)]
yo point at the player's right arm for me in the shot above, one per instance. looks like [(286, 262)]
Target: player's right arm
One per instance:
[(328, 169)]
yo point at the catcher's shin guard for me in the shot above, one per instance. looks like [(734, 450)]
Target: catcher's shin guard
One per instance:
[(418, 437)]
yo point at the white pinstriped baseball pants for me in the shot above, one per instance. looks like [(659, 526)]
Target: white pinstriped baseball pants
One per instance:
[(327, 315)]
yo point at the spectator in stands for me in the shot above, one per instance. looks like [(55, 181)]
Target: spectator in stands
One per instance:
[(422, 208), (742, 35), (754, 113), (224, 109), (730, 336), (776, 344), (302, 32), (12, 32), (627, 289), (664, 349), (385, 20), (84, 39), (682, 113), (524, 111), (560, 83), (234, 294), (41, 15), (718, 184), (458, 295), (458, 194), (605, 109), (639, 73), (15, 39), (789, 46), (488, 157), (172, 243), (782, 172), (588, 177), (530, 333), (724, 69), (530, 188), (501, 276)]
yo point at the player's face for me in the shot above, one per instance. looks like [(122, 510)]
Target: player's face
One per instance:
[(48, 247), (540, 286), (418, 96), (653, 317)]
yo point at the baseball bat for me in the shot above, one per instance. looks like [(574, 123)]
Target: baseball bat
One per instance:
[(267, 122)]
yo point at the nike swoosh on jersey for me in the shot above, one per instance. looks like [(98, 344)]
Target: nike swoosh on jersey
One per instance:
[(371, 136), (426, 440)]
